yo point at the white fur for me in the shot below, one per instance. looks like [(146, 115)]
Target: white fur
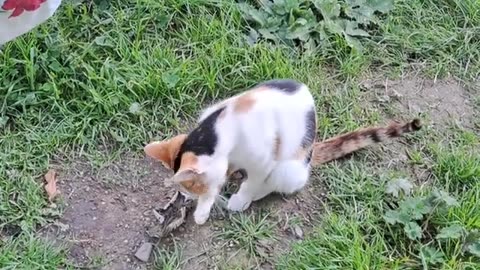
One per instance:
[(246, 140)]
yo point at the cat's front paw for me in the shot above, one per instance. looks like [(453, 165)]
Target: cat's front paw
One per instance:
[(238, 203), (200, 217)]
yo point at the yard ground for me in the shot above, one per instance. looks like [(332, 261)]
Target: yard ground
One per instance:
[(83, 93)]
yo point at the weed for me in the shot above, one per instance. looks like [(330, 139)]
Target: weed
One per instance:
[(313, 23)]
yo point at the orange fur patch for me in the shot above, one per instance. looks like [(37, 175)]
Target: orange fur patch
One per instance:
[(244, 103), (195, 186), (165, 151), (189, 160)]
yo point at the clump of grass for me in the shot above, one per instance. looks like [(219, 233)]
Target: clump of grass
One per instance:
[(248, 231), (441, 34), (457, 167), (168, 259), (339, 243), (29, 252)]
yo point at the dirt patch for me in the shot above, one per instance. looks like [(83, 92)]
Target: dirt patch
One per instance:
[(441, 102), (108, 215)]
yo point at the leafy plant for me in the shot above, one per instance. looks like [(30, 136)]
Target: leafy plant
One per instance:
[(414, 209), (311, 22), (414, 214)]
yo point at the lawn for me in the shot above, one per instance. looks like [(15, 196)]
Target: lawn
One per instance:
[(85, 91)]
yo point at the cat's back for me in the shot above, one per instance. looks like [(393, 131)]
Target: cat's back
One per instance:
[(282, 96), (282, 93)]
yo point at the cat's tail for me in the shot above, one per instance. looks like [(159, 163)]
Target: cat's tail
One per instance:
[(344, 144)]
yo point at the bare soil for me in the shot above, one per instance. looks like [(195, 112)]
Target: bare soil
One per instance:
[(108, 215), (438, 102), (108, 211)]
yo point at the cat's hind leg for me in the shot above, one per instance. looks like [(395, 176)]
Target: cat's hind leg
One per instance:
[(248, 190), (287, 177)]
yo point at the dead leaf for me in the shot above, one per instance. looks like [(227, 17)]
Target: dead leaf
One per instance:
[(51, 186)]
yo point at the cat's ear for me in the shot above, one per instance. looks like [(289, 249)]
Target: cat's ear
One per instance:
[(191, 180), (165, 151)]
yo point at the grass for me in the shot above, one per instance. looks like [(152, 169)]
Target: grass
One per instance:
[(28, 252), (114, 74), (168, 259), (354, 235), (248, 232)]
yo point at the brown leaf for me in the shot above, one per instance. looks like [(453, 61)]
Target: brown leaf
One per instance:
[(51, 186)]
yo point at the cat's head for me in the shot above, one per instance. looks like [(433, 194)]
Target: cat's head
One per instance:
[(189, 176)]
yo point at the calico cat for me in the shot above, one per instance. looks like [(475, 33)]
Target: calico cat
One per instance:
[(270, 132)]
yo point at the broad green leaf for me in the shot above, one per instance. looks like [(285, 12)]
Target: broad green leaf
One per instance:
[(353, 42), (451, 232), (431, 255), (353, 30), (413, 231), (362, 14), (170, 78), (267, 6), (398, 185), (134, 108), (302, 33), (164, 20), (267, 34), (355, 2), (320, 30), (441, 196), (252, 37), (383, 6), (3, 121), (258, 16), (416, 207), (291, 4), (474, 249), (330, 9), (392, 217), (252, 14), (310, 46), (334, 26), (282, 7)]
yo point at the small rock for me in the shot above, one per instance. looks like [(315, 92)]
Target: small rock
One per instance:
[(94, 218), (143, 253), (125, 241), (298, 231)]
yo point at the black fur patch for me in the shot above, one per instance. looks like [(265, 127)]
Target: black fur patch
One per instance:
[(202, 140), (287, 86), (309, 156), (311, 132), (393, 132), (374, 135)]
